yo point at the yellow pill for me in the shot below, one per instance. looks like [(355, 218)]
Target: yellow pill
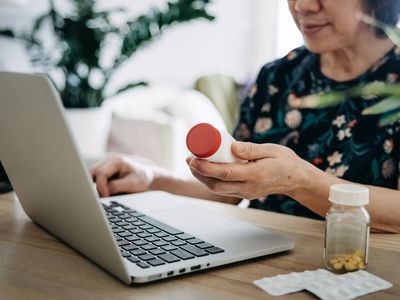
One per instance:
[(333, 261), (349, 266), (353, 261), (361, 265), (347, 257), (338, 266), (356, 258), (359, 253)]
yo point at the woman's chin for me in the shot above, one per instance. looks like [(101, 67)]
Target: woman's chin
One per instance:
[(318, 47)]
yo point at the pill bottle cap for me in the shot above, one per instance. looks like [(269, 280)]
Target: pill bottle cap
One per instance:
[(349, 194), (203, 140)]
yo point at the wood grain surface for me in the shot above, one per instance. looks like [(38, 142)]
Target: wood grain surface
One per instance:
[(36, 265)]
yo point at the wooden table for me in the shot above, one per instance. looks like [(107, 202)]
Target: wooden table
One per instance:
[(35, 265)]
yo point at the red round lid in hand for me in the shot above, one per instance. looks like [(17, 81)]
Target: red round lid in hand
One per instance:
[(203, 140)]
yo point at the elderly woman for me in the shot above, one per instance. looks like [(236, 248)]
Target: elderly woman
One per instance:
[(294, 154)]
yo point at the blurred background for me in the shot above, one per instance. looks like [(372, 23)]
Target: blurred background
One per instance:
[(195, 69)]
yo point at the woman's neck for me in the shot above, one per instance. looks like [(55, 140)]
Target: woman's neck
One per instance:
[(350, 62)]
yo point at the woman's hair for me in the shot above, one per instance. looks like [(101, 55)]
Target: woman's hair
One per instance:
[(386, 11)]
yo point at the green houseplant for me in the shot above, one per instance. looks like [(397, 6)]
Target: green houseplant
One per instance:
[(82, 36), (74, 58), (388, 108)]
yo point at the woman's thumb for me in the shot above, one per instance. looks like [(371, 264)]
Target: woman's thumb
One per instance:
[(251, 151)]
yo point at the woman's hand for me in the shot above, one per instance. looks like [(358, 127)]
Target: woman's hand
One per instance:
[(271, 169), (119, 174)]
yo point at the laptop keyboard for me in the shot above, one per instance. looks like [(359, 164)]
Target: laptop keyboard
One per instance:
[(150, 243)]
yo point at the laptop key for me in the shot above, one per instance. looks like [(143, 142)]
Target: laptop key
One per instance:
[(182, 254), (204, 245), (117, 213), (148, 247), (136, 231), (130, 220), (146, 257), (122, 243), (146, 227), (214, 250), (133, 259), (144, 234), (156, 262), (130, 247), (194, 250), (160, 243), (117, 230), (160, 225), (153, 230), (124, 216), (138, 223), (140, 242), (152, 239), (195, 241), (169, 247), (178, 243), (169, 258), (126, 254), (138, 252), (124, 234), (121, 223), (157, 251), (143, 265), (169, 238), (132, 238), (161, 234), (185, 236), (129, 227)]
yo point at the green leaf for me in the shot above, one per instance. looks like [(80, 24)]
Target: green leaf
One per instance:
[(7, 33), (392, 32), (389, 119), (382, 106), (129, 86)]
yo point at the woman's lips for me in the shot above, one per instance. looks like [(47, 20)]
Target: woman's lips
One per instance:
[(312, 28)]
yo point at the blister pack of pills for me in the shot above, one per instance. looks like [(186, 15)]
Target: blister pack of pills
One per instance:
[(324, 284), (289, 283)]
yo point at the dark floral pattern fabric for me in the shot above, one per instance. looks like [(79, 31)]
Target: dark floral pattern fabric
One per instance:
[(338, 139)]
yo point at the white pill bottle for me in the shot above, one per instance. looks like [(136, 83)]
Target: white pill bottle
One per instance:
[(347, 226), (207, 142)]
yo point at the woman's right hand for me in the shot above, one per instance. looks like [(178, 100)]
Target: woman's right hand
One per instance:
[(121, 174)]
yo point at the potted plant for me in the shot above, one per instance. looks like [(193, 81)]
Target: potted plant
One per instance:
[(75, 61)]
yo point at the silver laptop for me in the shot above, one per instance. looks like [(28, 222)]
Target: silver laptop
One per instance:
[(130, 239)]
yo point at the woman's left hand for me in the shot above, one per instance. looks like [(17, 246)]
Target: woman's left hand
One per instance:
[(271, 169)]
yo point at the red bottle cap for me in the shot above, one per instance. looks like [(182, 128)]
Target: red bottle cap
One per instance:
[(203, 140)]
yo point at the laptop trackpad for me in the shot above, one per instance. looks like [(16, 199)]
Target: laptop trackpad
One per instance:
[(197, 221)]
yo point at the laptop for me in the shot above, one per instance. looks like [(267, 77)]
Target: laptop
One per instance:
[(124, 235)]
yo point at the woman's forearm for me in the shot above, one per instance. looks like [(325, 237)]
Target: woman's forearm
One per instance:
[(383, 207), (165, 180)]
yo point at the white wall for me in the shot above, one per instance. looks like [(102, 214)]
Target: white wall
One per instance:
[(241, 39)]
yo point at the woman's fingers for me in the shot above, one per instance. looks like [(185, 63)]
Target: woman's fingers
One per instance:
[(102, 174), (219, 186), (251, 151), (224, 172), (119, 186)]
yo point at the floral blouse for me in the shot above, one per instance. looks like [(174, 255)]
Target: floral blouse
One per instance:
[(337, 139)]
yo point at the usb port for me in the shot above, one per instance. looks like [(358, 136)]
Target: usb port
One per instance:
[(194, 268), (182, 271), (170, 273)]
